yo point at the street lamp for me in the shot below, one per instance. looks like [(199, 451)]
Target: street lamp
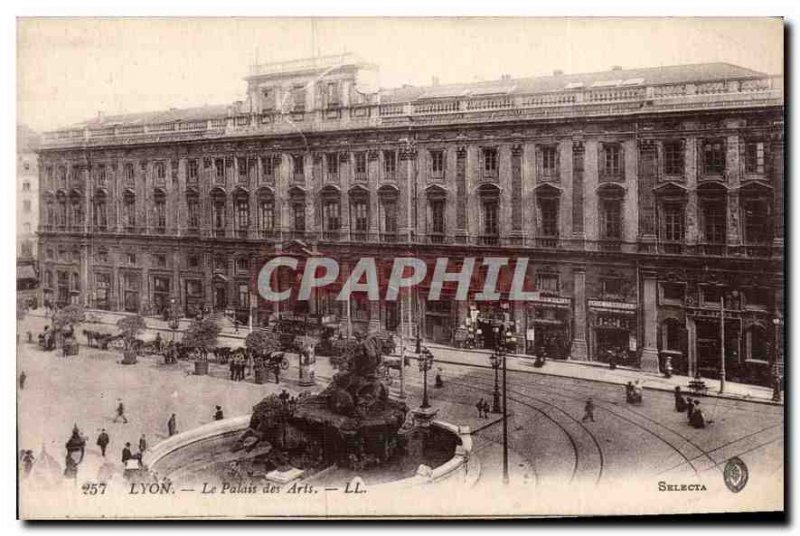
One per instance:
[(425, 361), (173, 317), (496, 358), (776, 375)]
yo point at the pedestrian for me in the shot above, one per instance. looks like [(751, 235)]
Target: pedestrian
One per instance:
[(102, 441), (121, 413), (479, 405), (689, 407), (157, 342), (172, 428), (588, 411), (22, 378), (697, 420), (439, 383), (680, 402), (232, 366), (276, 369), (218, 416), (236, 325), (142, 444), (126, 453), (27, 462)]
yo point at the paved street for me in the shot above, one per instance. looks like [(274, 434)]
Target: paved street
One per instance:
[(549, 444)]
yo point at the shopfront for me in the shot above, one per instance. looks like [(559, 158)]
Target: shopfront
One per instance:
[(548, 321), (613, 332), (439, 321)]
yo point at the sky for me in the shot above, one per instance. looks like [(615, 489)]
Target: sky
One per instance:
[(71, 69)]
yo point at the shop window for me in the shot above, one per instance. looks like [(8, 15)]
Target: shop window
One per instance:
[(756, 345)]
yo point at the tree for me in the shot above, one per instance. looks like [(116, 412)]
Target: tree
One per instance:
[(68, 317), (202, 334), (261, 343), (130, 327)]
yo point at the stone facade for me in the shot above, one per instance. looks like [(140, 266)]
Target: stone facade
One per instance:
[(638, 202)]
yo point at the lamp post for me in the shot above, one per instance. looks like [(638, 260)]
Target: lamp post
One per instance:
[(75, 451), (505, 344), (289, 402), (425, 361), (776, 375), (173, 317), (495, 359)]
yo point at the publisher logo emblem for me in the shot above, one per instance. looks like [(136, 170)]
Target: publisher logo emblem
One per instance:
[(735, 475)]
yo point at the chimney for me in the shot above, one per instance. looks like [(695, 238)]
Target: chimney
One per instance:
[(616, 68), (505, 77), (101, 116), (558, 72), (435, 81)]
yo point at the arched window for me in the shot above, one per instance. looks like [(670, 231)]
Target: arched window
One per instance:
[(610, 200), (489, 196), (359, 212), (266, 212), (160, 211), (129, 209), (548, 201), (100, 211), (218, 212), (387, 207), (241, 202)]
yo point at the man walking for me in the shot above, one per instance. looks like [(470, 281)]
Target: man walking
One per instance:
[(218, 415), (121, 413), (172, 426), (102, 441), (142, 444), (588, 411), (126, 453)]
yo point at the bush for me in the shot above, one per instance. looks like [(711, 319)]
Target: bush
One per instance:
[(68, 316), (261, 343), (201, 334)]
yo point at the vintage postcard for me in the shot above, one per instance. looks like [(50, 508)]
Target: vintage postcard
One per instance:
[(371, 268)]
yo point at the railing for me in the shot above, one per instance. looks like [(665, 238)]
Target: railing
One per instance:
[(567, 102)]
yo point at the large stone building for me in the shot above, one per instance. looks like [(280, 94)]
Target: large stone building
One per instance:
[(644, 198), (27, 211)]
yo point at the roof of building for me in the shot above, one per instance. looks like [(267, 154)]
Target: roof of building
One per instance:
[(675, 74)]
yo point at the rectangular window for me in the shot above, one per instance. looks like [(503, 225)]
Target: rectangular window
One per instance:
[(547, 282), (244, 295), (242, 264), (242, 214), (193, 210), (161, 171), (490, 161), (548, 213), (241, 163), (193, 166), (754, 157), (160, 260), (193, 261), (268, 165), (710, 294), (673, 222), (611, 219), (756, 221), (299, 216), (491, 226), (160, 209), (101, 174), (297, 165), (330, 214), (360, 164), (437, 216), (612, 159), (361, 216), (299, 99), (130, 258), (219, 167), (389, 217), (437, 163), (332, 95), (611, 286), (332, 163), (548, 161), (389, 163), (714, 222), (673, 158), (713, 157), (266, 220), (128, 173)]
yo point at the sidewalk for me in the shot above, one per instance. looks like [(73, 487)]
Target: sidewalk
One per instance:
[(600, 372), (583, 370)]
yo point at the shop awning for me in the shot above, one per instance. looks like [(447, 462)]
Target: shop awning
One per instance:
[(26, 271)]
